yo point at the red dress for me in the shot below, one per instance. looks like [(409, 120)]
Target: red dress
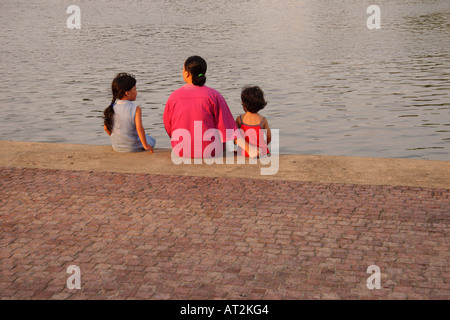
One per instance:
[(254, 134)]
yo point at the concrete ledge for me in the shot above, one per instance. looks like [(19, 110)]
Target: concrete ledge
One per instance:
[(322, 169)]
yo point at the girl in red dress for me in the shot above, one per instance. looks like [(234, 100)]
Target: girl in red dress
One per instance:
[(254, 127)]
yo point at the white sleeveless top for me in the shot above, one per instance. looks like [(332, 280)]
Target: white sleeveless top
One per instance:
[(124, 135)]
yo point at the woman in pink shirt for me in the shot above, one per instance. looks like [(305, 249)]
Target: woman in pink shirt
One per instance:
[(198, 119)]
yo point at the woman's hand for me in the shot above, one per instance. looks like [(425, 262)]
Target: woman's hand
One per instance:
[(254, 152)]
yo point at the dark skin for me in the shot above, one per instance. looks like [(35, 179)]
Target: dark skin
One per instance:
[(254, 119)]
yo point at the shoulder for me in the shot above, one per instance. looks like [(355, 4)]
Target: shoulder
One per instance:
[(127, 103), (210, 91), (217, 97), (187, 91), (264, 123), (132, 106), (177, 92)]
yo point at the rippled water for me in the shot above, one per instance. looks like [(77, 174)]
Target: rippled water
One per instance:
[(334, 86)]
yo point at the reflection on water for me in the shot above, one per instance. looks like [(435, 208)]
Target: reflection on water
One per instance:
[(333, 86)]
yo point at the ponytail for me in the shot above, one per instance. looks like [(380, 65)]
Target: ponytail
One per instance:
[(198, 80), (108, 115)]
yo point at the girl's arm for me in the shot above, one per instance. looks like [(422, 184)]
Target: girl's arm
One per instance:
[(265, 125), (140, 130), (107, 131)]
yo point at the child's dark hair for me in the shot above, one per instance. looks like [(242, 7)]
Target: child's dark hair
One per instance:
[(122, 83), (196, 66), (253, 99)]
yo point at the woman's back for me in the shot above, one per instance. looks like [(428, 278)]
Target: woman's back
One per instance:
[(191, 103), (198, 109)]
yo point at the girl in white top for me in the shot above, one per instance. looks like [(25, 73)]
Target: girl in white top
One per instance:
[(123, 119)]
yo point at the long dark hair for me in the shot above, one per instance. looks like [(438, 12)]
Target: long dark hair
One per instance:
[(122, 83), (196, 66)]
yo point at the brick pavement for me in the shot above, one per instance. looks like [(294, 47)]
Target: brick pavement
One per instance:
[(142, 236)]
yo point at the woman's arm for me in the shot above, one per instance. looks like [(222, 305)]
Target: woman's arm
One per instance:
[(167, 118), (238, 124), (252, 150), (140, 130), (238, 121)]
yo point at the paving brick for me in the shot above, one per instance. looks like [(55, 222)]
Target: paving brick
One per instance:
[(140, 236)]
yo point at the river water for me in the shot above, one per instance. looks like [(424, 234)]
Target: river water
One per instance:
[(333, 85)]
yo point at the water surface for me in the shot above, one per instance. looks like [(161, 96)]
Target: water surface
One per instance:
[(333, 86)]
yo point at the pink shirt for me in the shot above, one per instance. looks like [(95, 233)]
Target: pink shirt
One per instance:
[(189, 114)]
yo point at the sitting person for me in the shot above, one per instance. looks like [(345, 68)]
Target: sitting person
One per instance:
[(200, 116), (254, 126), (123, 119)]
